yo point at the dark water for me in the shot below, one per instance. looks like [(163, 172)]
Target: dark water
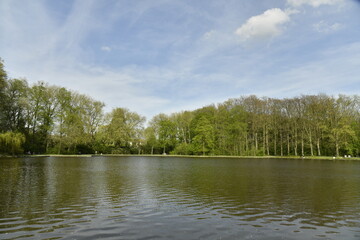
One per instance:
[(178, 198)]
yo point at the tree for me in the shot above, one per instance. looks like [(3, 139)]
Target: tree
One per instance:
[(341, 115), (204, 136), (64, 98), (58, 120), (165, 131), (236, 129), (167, 134), (14, 111), (3, 101), (150, 138), (11, 142), (122, 131), (255, 110), (40, 114), (182, 121)]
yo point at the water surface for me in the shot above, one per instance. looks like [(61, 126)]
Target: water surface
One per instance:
[(178, 198)]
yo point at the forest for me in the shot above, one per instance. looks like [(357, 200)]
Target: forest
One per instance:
[(46, 119)]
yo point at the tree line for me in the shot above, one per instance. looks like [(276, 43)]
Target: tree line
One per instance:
[(41, 118)]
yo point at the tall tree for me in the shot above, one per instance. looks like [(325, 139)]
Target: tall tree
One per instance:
[(3, 102), (204, 136), (122, 131), (16, 94), (341, 131), (150, 138), (64, 109)]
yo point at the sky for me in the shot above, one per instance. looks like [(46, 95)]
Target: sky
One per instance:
[(164, 56)]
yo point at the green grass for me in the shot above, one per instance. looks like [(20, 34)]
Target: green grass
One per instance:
[(189, 156), (225, 156)]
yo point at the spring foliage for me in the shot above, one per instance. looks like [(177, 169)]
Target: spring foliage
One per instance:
[(11, 142), (49, 119)]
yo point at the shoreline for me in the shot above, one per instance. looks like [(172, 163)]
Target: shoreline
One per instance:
[(183, 156)]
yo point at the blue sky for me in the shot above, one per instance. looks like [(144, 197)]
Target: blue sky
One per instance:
[(154, 56)]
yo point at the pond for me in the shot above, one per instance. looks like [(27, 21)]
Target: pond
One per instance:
[(178, 198)]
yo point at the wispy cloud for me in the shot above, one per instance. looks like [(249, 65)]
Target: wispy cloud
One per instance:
[(333, 72), (325, 27), (106, 48), (313, 3), (170, 55)]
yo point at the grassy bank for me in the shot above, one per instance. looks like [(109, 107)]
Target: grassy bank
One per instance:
[(207, 156), (185, 156)]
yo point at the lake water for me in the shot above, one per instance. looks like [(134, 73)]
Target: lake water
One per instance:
[(178, 198)]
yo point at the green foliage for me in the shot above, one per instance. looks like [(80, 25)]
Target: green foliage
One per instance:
[(204, 136), (150, 140), (16, 95), (123, 130), (165, 132), (3, 100), (11, 143), (184, 149), (49, 119)]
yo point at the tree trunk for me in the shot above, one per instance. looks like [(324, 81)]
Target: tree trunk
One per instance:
[(281, 145), (275, 139), (264, 140), (241, 147), (203, 147), (47, 146), (302, 144), (337, 146), (311, 145), (60, 144), (184, 135), (295, 144), (318, 146), (267, 143), (256, 144), (246, 144), (288, 145)]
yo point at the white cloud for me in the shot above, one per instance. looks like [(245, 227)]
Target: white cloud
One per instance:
[(324, 27), (334, 72), (313, 3), (208, 35), (106, 48), (213, 65), (264, 26)]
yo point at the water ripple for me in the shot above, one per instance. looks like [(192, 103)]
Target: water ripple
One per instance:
[(158, 198)]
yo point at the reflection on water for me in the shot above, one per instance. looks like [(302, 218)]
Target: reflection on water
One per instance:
[(178, 198)]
